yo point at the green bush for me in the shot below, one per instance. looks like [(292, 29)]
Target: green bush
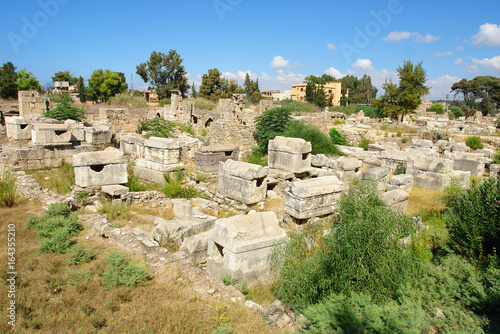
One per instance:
[(125, 99), (457, 112), (320, 142), (438, 108), (203, 104), (298, 106), (173, 187), (360, 254), (78, 254), (496, 158), (7, 188), (271, 123), (119, 271), (473, 220), (337, 137), (364, 143), (164, 102), (188, 128), (474, 142), (55, 228), (65, 111), (400, 168), (156, 127), (257, 157)]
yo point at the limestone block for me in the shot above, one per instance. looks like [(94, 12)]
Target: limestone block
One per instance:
[(392, 158), (189, 146), (115, 190), (106, 157), (239, 246), (488, 153), (421, 143), (319, 160), (436, 165), (347, 164), (376, 174), (100, 175), (396, 199), (242, 181), (460, 147), (178, 228), (314, 197), (291, 154), (494, 170), (98, 134), (471, 162), (157, 166), (403, 181), (207, 158), (195, 247), (50, 134), (18, 128), (430, 180), (163, 150)]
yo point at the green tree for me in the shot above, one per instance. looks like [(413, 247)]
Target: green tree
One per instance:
[(365, 92), (26, 81), (80, 85), (271, 123), (438, 108), (252, 90), (8, 81), (193, 88), (164, 72), (105, 84), (64, 76), (214, 86), (349, 87), (388, 103), (411, 87)]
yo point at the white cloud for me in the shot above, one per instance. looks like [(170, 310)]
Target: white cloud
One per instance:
[(265, 76), (441, 86), (397, 36), (331, 46), (442, 54), (460, 48), (335, 73), (488, 35), (288, 77), (363, 65), (459, 61), (425, 39), (379, 77), (492, 64), (280, 62)]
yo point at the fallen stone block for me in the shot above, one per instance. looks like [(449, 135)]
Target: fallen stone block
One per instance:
[(207, 158), (291, 154), (396, 199), (242, 181)]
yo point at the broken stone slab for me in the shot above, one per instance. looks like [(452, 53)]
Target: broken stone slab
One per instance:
[(244, 170), (403, 181), (182, 208), (314, 197), (396, 199), (207, 158), (319, 160), (239, 246), (195, 247), (460, 147), (115, 190), (18, 128), (291, 154), (346, 164), (488, 153), (106, 157), (436, 165), (279, 174), (98, 134), (494, 170), (376, 174), (421, 143), (178, 229), (157, 166)]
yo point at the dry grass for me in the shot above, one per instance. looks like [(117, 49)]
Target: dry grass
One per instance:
[(53, 296), (165, 213), (275, 205), (421, 199), (57, 179), (261, 293)]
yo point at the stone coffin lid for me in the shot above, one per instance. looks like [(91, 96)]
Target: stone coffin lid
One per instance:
[(107, 157), (399, 155), (19, 120), (316, 187), (348, 164), (375, 173), (245, 233), (400, 180), (243, 170), (50, 127), (165, 143), (290, 145), (437, 165), (219, 148), (465, 156)]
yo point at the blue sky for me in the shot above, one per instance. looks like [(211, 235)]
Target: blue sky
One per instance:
[(280, 42)]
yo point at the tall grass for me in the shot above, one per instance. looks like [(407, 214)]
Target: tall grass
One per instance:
[(127, 100), (174, 188), (58, 179), (120, 271), (298, 106), (203, 104), (7, 188), (321, 143)]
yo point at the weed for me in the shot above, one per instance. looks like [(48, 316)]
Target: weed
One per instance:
[(257, 157), (399, 133), (78, 254), (338, 122), (119, 271), (400, 168), (228, 280), (173, 187), (188, 128), (204, 132), (119, 212), (203, 104), (169, 244), (58, 179), (7, 188), (156, 127), (364, 143), (220, 317), (404, 140)]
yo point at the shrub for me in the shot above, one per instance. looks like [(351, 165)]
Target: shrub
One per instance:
[(257, 157), (298, 106), (472, 219), (364, 143), (457, 112), (119, 271), (438, 108), (183, 127), (474, 142), (7, 188), (320, 142), (55, 228), (65, 111), (164, 102), (156, 127), (173, 187), (125, 99), (337, 137), (78, 254), (271, 123), (114, 211), (360, 254), (203, 104), (400, 168)]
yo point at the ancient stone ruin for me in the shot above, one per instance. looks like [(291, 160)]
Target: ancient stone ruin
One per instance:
[(242, 181), (100, 168), (208, 157)]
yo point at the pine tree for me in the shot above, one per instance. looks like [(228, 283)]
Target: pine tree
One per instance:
[(194, 90), (81, 89), (8, 81)]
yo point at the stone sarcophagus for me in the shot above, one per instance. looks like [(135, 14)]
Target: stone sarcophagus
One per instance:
[(239, 246), (436, 173), (18, 128), (314, 197), (242, 181), (208, 157), (290, 154), (102, 168)]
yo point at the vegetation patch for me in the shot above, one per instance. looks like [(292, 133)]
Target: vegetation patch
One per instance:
[(156, 127), (65, 111), (59, 179), (125, 99), (320, 142), (174, 188), (7, 188), (120, 271)]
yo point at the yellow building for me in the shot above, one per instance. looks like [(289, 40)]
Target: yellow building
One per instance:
[(330, 88)]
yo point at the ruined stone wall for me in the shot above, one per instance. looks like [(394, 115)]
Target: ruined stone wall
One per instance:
[(31, 103), (223, 132), (121, 119)]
